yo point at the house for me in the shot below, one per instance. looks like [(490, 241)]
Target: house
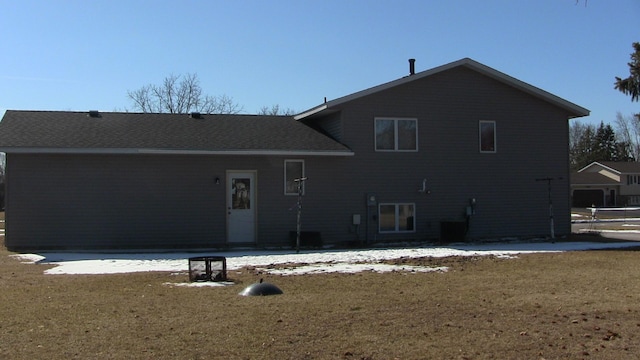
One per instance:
[(606, 183), (448, 153)]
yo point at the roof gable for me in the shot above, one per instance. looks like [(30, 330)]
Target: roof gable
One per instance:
[(597, 167), (572, 109), (619, 167), (63, 131)]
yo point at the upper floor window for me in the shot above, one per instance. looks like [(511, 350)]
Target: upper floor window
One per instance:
[(487, 130), (293, 169), (396, 134)]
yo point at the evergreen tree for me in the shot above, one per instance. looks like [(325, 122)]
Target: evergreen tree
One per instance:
[(606, 147), (584, 148), (631, 85), (588, 144)]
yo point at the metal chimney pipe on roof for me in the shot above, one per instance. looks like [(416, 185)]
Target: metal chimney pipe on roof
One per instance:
[(412, 66)]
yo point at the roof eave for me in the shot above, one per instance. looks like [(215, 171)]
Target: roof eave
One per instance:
[(574, 110), (311, 112), (602, 165), (142, 151), (594, 184)]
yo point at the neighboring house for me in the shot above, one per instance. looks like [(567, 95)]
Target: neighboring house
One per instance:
[(460, 145), (606, 183)]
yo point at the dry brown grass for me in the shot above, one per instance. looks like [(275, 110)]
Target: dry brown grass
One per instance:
[(544, 306)]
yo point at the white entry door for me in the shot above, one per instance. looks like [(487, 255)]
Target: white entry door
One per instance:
[(241, 206)]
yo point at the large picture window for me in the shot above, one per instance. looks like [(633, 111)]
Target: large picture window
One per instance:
[(396, 134), (487, 131), (293, 169), (393, 218)]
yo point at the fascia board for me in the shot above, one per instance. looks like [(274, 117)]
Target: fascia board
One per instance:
[(310, 112), (575, 110), (595, 163), (9, 150), (578, 111)]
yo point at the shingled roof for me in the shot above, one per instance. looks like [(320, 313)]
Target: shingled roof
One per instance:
[(117, 132), (592, 179)]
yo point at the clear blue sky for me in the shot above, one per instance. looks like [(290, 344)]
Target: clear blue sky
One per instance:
[(82, 55)]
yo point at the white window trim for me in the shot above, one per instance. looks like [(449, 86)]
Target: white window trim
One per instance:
[(285, 175), (397, 207), (495, 137), (395, 128)]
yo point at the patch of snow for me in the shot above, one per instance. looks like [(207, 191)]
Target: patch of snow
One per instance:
[(28, 258), (348, 268), (320, 261)]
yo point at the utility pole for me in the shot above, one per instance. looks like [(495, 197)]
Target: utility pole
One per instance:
[(300, 182), (549, 180)]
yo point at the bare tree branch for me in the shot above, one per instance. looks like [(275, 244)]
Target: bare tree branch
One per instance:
[(180, 95), (628, 131), (275, 110)]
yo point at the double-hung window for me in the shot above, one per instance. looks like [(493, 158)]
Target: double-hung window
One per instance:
[(487, 130), (396, 218), (396, 134), (293, 169)]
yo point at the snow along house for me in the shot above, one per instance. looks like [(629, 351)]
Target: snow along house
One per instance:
[(448, 153)]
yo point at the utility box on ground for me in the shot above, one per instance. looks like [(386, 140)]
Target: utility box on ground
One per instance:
[(453, 231)]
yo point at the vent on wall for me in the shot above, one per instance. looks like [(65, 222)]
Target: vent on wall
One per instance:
[(94, 113)]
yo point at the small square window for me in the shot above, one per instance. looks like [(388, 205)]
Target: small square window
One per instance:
[(487, 136), (293, 169)]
